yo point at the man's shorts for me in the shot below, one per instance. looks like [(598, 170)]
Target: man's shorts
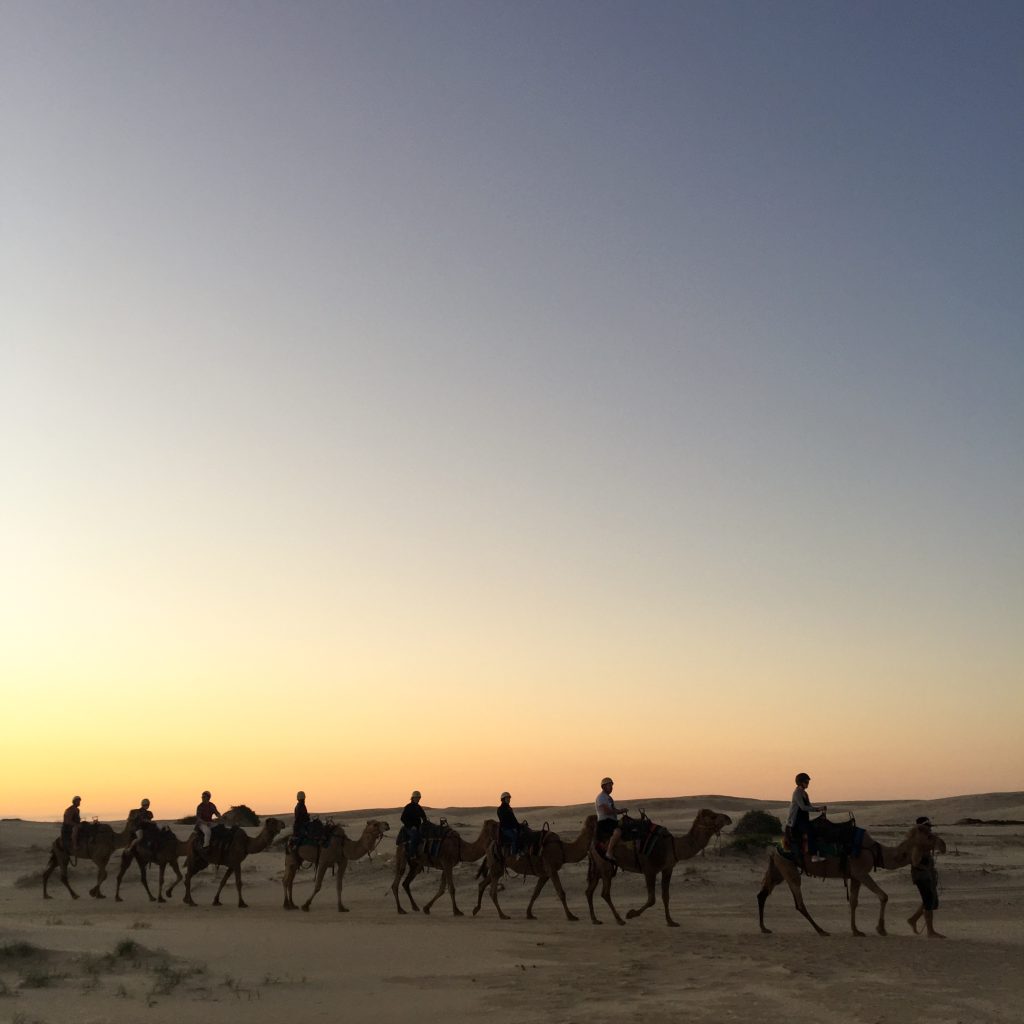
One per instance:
[(929, 893), (605, 828)]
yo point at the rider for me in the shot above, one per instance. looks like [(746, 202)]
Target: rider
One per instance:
[(413, 820), (138, 817), (510, 826), (206, 811), (301, 820), (608, 826), (799, 821), (69, 826)]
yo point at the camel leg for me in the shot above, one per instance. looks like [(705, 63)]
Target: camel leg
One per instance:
[(238, 885), (340, 868), (126, 858), (666, 883), (606, 896), (228, 872), (649, 878), (557, 883), (290, 867), (101, 874), (768, 883), (541, 882), (798, 900), (485, 880), (593, 877), (413, 871), (318, 881), (177, 871), (883, 899), (494, 897), (62, 863), (191, 870)]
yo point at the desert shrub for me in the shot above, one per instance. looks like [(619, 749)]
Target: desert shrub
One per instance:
[(754, 831), (240, 814), (127, 948), (758, 823), (18, 950)]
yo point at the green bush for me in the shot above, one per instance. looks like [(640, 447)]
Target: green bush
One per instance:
[(754, 831)]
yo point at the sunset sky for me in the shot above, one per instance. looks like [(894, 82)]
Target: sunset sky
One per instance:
[(481, 396)]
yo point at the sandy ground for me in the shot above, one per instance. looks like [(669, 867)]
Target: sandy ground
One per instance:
[(97, 960)]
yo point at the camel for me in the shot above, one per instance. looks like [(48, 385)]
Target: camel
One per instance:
[(97, 843), (161, 847), (228, 853), (337, 854), (554, 854), (857, 869), (660, 859), (452, 850)]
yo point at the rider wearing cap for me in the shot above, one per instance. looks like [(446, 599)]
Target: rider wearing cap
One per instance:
[(799, 821), (413, 820), (509, 824), (925, 876), (206, 811), (608, 827), (138, 818)]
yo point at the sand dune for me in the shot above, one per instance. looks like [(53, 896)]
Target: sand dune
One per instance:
[(97, 960)]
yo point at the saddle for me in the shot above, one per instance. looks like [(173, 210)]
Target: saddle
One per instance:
[(221, 837), (431, 836), (89, 830), (314, 833)]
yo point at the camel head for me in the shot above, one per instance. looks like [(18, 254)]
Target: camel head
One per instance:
[(711, 821), (375, 831), (273, 826)]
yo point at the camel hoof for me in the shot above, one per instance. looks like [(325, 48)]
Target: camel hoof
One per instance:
[(881, 931), (458, 913), (630, 914), (672, 924), (401, 911), (161, 900), (765, 931), (305, 907), (426, 910), (117, 899), (243, 905), (571, 917), (342, 910), (476, 910), (857, 933), (74, 896)]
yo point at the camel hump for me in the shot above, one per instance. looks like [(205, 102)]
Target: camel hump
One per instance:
[(93, 830)]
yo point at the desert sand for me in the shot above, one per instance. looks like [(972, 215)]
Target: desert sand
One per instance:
[(93, 960)]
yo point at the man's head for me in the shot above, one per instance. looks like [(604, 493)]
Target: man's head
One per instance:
[(606, 784), (206, 794), (145, 803), (415, 798), (505, 797), (300, 796), (76, 800), (803, 779), (924, 822)]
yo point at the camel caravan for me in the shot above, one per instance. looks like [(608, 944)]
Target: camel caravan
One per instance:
[(610, 841)]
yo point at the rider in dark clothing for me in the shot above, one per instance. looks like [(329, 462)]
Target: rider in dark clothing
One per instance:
[(508, 823), (413, 820), (301, 820)]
